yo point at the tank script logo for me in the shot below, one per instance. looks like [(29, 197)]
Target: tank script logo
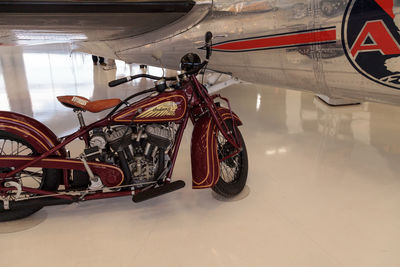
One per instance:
[(161, 110), (370, 36)]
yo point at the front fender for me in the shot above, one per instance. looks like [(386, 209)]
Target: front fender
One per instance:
[(34, 132), (204, 156)]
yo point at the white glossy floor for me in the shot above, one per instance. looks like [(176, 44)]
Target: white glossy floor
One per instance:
[(324, 183)]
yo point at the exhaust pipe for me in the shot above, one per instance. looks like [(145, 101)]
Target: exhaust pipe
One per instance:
[(36, 203)]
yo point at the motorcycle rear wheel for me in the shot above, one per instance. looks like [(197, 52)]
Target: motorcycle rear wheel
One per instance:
[(233, 171), (45, 179)]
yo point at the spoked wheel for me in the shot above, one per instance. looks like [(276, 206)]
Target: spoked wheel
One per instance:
[(38, 178), (233, 170)]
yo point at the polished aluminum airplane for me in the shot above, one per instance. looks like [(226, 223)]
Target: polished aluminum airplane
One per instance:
[(335, 48)]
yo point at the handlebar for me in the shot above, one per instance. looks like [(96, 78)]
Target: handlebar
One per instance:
[(130, 78), (208, 38), (119, 81)]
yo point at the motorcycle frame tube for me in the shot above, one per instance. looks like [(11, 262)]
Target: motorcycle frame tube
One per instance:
[(109, 174), (43, 192), (87, 197), (213, 111), (111, 194), (177, 145)]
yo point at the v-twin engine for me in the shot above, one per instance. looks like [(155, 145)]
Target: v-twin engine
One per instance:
[(141, 151)]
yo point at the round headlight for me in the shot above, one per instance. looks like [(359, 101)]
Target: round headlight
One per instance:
[(190, 61)]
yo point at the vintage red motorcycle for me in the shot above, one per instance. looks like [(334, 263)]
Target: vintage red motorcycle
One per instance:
[(132, 151)]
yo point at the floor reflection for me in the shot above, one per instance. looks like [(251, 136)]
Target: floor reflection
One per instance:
[(31, 79), (4, 103), (14, 82), (286, 125), (324, 181)]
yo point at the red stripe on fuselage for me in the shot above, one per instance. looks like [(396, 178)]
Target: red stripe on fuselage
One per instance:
[(279, 41)]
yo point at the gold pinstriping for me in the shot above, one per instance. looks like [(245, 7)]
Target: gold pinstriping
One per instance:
[(27, 124), (225, 115), (15, 128)]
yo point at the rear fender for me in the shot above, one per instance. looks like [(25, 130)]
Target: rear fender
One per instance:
[(205, 162), (34, 132)]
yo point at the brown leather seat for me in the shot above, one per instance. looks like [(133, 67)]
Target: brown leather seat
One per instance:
[(79, 102)]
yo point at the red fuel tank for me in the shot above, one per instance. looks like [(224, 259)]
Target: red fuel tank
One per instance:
[(167, 106)]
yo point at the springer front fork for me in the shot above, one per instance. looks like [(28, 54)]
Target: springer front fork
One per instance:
[(231, 136)]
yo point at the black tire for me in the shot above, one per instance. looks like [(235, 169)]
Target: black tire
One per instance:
[(236, 165), (49, 180)]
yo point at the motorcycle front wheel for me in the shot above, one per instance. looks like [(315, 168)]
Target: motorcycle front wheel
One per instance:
[(45, 179), (233, 171)]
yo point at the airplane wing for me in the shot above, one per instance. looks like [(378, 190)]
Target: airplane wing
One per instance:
[(37, 22)]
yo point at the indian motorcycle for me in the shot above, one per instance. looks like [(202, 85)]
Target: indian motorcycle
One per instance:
[(131, 151)]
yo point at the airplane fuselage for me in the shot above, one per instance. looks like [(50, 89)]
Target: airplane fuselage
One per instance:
[(344, 49)]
